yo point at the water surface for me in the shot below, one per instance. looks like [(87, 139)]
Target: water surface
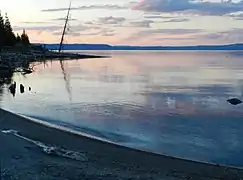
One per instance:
[(171, 103)]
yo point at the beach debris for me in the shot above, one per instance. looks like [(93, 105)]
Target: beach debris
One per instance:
[(29, 88), (21, 88), (55, 151), (50, 150), (12, 88), (27, 71), (234, 101)]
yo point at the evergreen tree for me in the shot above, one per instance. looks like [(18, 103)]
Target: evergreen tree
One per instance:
[(10, 38), (7, 36), (24, 38), (18, 39), (2, 31)]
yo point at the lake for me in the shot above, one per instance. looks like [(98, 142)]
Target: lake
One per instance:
[(167, 102)]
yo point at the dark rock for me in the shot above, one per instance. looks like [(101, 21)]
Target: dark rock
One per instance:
[(12, 88), (21, 88), (234, 101), (29, 88)]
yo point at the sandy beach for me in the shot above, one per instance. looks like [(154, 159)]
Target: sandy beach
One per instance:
[(34, 151)]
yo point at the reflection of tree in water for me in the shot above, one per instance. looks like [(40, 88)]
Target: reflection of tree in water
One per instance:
[(66, 79)]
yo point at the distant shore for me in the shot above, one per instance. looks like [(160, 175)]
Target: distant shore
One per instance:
[(12, 58), (107, 47), (23, 157)]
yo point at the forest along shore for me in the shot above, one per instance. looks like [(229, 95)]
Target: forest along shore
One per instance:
[(16, 51), (18, 59)]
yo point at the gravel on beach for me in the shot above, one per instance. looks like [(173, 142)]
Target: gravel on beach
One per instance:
[(30, 150)]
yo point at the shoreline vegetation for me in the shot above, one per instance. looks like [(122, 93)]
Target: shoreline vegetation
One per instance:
[(16, 52), (35, 150)]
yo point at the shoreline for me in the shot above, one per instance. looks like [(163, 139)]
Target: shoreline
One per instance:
[(99, 139), (12, 58), (104, 160)]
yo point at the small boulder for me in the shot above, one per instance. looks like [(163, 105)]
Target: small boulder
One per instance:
[(21, 88), (12, 88), (234, 101)]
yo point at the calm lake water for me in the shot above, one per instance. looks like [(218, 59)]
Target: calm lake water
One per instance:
[(172, 103)]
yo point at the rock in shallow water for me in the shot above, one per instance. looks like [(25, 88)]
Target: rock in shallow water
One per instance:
[(12, 88), (21, 88), (234, 101)]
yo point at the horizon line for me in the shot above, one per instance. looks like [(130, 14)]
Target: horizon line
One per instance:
[(238, 43)]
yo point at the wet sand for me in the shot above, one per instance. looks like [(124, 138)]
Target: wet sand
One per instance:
[(23, 159)]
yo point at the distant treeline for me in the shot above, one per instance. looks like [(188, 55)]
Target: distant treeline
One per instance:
[(227, 47), (7, 36)]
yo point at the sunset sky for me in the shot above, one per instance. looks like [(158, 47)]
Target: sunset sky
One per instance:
[(129, 22)]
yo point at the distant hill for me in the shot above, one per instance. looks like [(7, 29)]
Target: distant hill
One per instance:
[(109, 47)]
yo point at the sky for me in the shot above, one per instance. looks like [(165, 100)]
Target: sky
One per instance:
[(129, 22)]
